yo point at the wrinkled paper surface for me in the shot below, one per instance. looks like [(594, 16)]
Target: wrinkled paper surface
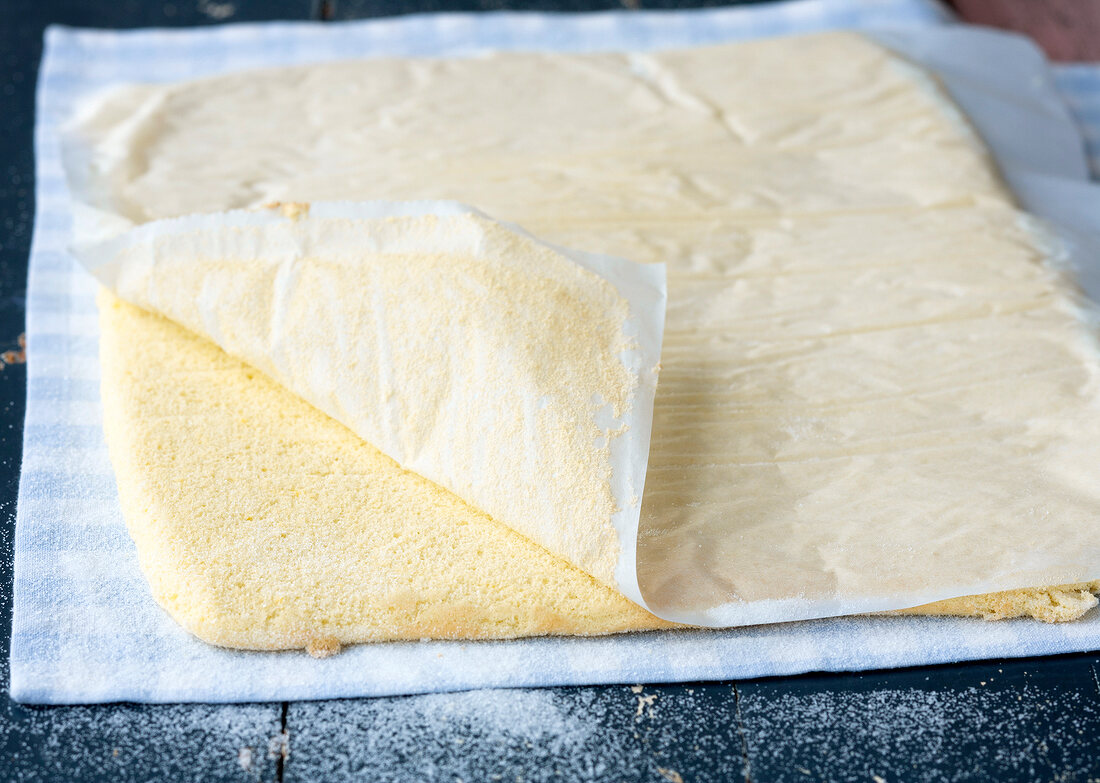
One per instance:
[(1002, 85)]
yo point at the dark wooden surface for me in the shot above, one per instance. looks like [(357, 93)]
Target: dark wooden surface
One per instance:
[(1031, 720)]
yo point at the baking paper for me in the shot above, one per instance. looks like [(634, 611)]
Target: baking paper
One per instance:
[(1003, 86), (268, 287)]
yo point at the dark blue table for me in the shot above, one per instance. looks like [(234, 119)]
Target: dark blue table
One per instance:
[(1026, 720)]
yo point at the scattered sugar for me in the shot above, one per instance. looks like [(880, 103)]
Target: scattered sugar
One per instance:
[(131, 742), (526, 735), (217, 11), (998, 731), (911, 734)]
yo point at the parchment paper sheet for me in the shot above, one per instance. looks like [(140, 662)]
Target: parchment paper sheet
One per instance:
[(986, 81), (142, 265)]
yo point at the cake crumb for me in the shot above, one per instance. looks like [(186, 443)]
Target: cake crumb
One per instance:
[(323, 647), (289, 209), (645, 703), (278, 746), (15, 357)]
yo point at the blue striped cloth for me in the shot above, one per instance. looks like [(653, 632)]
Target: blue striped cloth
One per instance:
[(1079, 86), (85, 627)]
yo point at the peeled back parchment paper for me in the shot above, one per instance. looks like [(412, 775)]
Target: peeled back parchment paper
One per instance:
[(519, 376), (692, 579)]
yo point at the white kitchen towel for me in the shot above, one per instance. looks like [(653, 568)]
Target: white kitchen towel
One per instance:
[(85, 627)]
